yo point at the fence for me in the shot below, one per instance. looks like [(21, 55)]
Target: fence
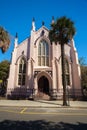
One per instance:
[(27, 93)]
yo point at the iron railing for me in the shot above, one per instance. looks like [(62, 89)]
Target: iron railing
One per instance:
[(27, 93)]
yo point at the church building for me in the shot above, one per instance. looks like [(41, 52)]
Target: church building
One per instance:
[(36, 71)]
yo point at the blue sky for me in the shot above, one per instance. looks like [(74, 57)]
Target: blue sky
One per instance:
[(16, 16)]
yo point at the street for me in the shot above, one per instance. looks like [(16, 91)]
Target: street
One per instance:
[(49, 118)]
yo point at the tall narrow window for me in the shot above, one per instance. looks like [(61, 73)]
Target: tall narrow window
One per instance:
[(22, 72), (43, 53), (67, 72)]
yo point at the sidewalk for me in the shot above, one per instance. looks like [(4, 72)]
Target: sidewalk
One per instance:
[(42, 103)]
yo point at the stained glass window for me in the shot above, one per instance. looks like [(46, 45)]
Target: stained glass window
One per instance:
[(43, 53), (22, 72)]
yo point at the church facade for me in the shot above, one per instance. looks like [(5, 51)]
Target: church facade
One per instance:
[(35, 69)]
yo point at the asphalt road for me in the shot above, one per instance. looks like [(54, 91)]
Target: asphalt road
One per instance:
[(45, 118)]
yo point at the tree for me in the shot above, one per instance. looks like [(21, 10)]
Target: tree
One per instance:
[(4, 39), (62, 31), (83, 67), (4, 72), (82, 61)]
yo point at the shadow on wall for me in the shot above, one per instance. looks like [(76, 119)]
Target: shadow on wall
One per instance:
[(40, 125)]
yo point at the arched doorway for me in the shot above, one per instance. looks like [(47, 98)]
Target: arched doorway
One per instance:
[(43, 85)]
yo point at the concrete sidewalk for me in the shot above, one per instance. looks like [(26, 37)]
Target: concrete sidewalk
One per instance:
[(42, 103)]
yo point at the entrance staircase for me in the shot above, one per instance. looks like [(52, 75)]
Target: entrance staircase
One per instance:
[(42, 96)]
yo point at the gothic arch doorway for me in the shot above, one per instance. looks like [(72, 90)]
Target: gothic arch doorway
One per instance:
[(43, 85)]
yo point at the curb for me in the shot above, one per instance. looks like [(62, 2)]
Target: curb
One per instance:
[(68, 107)]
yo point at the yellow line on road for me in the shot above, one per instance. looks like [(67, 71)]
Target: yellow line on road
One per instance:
[(22, 111), (44, 113), (55, 113), (10, 111)]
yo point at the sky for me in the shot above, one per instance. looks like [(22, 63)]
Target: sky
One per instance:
[(17, 15)]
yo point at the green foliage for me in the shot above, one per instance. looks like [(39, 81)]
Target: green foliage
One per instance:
[(82, 61), (0, 81), (4, 39), (62, 30), (4, 69), (84, 80), (83, 76), (4, 72)]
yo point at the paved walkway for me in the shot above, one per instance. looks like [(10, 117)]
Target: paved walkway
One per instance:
[(42, 103)]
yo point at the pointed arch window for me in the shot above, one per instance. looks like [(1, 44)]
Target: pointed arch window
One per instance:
[(22, 72), (43, 53), (67, 72)]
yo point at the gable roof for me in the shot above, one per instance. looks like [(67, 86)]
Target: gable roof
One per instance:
[(43, 27)]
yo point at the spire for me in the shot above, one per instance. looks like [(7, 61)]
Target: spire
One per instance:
[(33, 24), (16, 36), (52, 19), (43, 23), (16, 40)]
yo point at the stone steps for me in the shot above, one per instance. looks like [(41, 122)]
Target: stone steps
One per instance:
[(42, 96)]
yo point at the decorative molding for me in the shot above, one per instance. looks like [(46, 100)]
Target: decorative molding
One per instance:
[(50, 73), (36, 73)]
